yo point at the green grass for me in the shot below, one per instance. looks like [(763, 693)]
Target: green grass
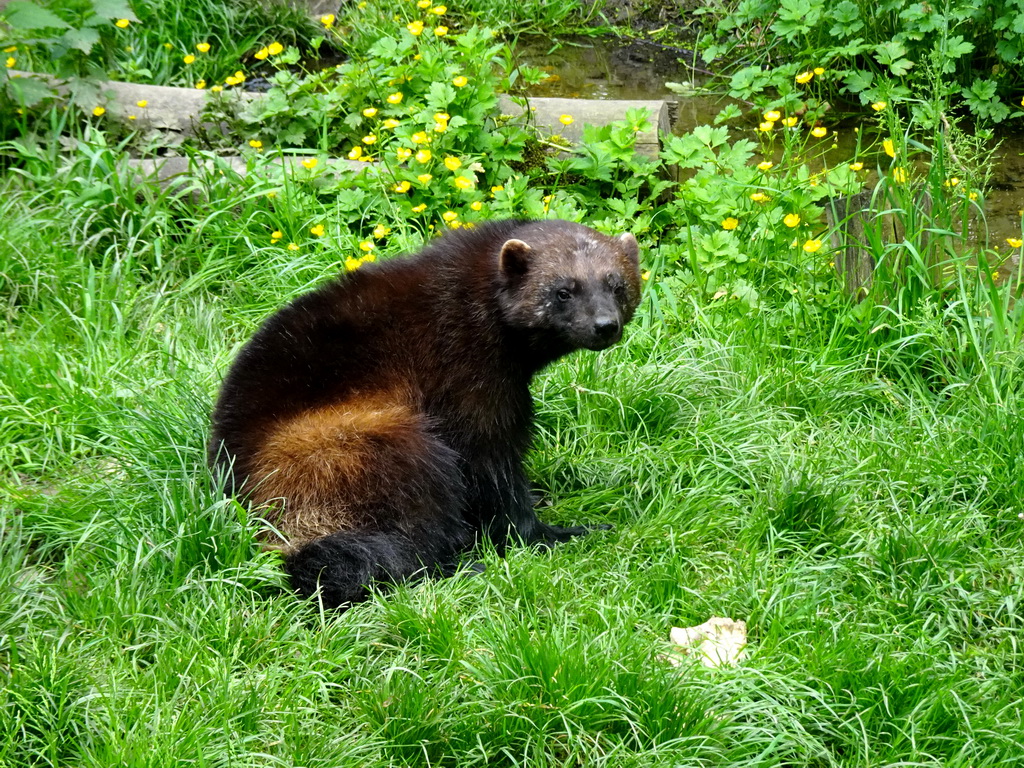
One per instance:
[(863, 524)]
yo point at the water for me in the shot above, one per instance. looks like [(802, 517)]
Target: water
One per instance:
[(600, 69)]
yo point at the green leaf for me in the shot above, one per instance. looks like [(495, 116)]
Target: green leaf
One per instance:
[(24, 14), (888, 52), (28, 91), (82, 39), (957, 47), (113, 9)]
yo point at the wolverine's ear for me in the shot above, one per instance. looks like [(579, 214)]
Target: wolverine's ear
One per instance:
[(631, 247), (514, 259)]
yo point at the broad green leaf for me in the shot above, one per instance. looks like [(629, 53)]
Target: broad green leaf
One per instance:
[(113, 9), (82, 39), (28, 91), (24, 14)]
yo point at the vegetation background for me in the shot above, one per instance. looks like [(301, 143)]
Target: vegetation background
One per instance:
[(844, 475)]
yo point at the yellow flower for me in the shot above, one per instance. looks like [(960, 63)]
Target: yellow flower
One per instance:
[(99, 111), (189, 58), (759, 197), (327, 20), (369, 112), (142, 103), (772, 115), (271, 194), (366, 245), (566, 120), (496, 190), (952, 182), (730, 223), (131, 117), (889, 148), (476, 205), (369, 139), (380, 231), (423, 4), (856, 166), (812, 245), (396, 98), (419, 208), (403, 154), (240, 76), (458, 81), (439, 10), (973, 196), (261, 54), (804, 77), (424, 178), (203, 47), (1015, 242), (819, 131), (423, 156), (449, 216), (402, 187), (352, 264), (442, 117), (878, 106), (766, 126), (390, 123), (463, 182), (440, 31), (274, 48), (276, 235), (791, 220), (819, 70), (765, 165), (292, 247), (216, 88), (452, 163), (310, 163), (420, 137), (168, 46), (1022, 102), (355, 153), (415, 27), (10, 62), (122, 23), (200, 84), (789, 122), (317, 230), (255, 143), (899, 175), (440, 127)]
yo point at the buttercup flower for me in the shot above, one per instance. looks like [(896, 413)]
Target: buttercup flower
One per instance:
[(216, 88), (274, 48), (403, 154), (791, 220), (804, 77), (293, 247), (439, 10), (142, 103), (424, 178), (878, 106), (819, 131), (951, 182), (381, 231), (496, 190), (449, 216), (889, 148), (423, 156), (402, 187), (366, 245), (766, 126), (452, 163), (99, 111), (463, 182), (369, 139), (856, 166), (276, 235), (317, 230), (440, 31), (458, 81), (415, 27), (566, 120), (789, 122), (772, 115), (310, 163), (189, 58), (419, 208), (730, 223), (419, 137), (423, 4), (759, 197), (476, 205), (899, 175), (390, 123), (10, 62), (327, 20), (396, 98), (122, 23), (203, 47), (765, 165), (812, 245), (1015, 242), (819, 70), (255, 143), (200, 84), (355, 153), (261, 54)]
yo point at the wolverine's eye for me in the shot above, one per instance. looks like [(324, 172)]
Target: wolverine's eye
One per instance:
[(563, 294), (620, 290)]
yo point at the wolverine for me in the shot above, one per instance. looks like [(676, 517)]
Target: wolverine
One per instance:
[(378, 424)]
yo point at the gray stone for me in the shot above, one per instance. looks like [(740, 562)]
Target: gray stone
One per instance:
[(169, 171)]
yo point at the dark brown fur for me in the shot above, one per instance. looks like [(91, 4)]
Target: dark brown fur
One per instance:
[(379, 423)]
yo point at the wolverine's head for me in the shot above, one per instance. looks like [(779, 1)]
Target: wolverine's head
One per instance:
[(568, 284)]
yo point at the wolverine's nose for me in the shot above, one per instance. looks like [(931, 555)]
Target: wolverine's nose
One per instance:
[(606, 328)]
